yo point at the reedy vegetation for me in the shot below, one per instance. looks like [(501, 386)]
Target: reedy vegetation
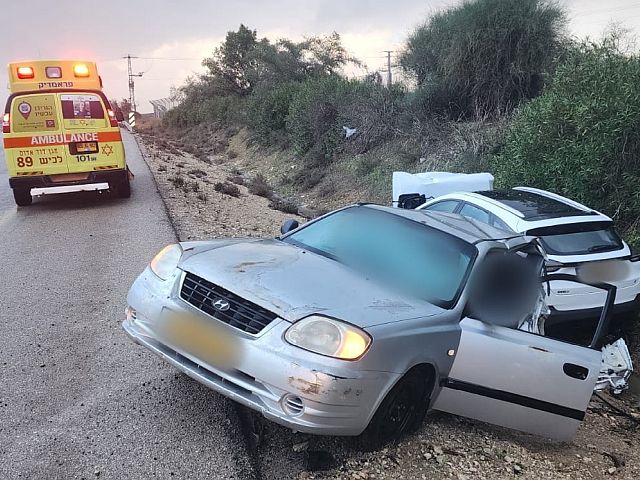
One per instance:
[(572, 109)]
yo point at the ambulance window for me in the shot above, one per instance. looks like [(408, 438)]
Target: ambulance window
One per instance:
[(34, 113), (81, 107)]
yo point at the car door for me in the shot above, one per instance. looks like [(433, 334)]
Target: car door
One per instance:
[(521, 380)]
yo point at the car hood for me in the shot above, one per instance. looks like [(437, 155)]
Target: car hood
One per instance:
[(295, 283)]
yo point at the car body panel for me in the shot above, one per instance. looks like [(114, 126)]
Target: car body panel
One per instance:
[(530, 391), (295, 283)]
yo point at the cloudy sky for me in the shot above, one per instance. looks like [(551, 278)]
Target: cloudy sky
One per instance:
[(172, 36)]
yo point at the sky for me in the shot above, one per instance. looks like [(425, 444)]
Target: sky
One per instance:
[(171, 37)]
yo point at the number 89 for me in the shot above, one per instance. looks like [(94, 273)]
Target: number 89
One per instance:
[(24, 162)]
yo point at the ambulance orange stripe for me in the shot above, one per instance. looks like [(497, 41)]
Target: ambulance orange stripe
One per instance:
[(27, 142)]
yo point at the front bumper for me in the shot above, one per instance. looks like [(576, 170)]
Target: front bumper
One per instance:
[(338, 397)]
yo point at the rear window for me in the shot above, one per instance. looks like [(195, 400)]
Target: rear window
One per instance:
[(579, 238), (81, 107)]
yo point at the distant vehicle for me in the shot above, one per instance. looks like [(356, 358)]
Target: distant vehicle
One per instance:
[(60, 133), (577, 239), (360, 321)]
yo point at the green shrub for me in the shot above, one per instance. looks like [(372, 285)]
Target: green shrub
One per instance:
[(267, 110), (582, 137), (313, 117), (482, 57)]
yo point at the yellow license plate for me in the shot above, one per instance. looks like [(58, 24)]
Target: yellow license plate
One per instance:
[(202, 338), (87, 147)]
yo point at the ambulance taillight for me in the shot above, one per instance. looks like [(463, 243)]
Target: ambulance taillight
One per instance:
[(25, 72), (5, 123), (112, 118), (80, 70)]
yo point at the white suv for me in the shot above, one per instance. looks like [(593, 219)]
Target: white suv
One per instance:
[(582, 240)]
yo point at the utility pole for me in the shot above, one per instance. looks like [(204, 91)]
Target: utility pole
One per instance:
[(132, 92), (389, 77)]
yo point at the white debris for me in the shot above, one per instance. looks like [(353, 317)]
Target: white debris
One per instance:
[(616, 367), (349, 132)]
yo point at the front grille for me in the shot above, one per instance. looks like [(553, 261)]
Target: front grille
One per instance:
[(242, 314)]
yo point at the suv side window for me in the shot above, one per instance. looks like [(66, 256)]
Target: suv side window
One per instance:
[(496, 222), (477, 213), (448, 206)]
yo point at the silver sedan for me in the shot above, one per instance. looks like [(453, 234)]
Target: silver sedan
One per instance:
[(359, 322)]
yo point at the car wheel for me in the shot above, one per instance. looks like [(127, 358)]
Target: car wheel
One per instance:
[(123, 188), (22, 196), (402, 411)]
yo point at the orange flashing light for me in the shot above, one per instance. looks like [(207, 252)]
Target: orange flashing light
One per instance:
[(25, 72), (80, 70)]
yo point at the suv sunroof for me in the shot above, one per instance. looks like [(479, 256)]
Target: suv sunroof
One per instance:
[(534, 206)]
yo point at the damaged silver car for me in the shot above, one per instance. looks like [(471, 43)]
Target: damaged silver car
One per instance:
[(359, 322)]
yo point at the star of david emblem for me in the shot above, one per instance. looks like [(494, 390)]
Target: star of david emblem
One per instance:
[(107, 150)]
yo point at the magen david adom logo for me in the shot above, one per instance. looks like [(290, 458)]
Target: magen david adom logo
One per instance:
[(25, 109)]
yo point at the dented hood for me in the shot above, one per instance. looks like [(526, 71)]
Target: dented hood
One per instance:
[(295, 283)]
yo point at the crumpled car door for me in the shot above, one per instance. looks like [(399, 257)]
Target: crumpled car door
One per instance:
[(521, 380)]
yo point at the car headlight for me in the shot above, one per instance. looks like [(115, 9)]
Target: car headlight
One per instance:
[(166, 261), (330, 337)]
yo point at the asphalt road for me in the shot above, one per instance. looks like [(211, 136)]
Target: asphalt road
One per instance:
[(77, 398)]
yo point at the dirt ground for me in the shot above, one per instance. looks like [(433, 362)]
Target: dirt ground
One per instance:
[(608, 442)]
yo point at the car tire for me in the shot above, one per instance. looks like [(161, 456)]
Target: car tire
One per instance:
[(22, 196), (123, 188), (402, 411)]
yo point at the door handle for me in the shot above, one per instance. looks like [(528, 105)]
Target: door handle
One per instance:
[(575, 371)]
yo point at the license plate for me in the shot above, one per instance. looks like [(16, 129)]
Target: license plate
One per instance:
[(202, 338), (87, 147)]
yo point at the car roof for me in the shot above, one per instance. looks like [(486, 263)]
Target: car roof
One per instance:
[(536, 205), (467, 229)]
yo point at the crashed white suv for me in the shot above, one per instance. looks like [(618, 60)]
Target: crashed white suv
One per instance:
[(577, 239)]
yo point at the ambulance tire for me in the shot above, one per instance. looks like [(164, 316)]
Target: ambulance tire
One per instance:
[(123, 188), (22, 196)]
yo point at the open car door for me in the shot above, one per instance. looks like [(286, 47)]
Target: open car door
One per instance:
[(521, 380)]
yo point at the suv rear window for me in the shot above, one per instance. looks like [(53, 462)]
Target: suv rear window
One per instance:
[(578, 238)]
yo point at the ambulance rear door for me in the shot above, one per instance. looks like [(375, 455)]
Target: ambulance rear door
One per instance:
[(93, 143), (35, 143)]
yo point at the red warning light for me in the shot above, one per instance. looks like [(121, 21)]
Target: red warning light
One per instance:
[(25, 72)]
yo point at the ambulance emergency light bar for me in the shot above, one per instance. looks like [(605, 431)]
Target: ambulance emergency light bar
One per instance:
[(53, 74)]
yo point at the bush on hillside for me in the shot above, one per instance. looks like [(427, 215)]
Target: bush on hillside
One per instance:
[(483, 57), (582, 137)]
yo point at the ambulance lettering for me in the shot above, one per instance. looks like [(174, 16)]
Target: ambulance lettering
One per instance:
[(47, 139), (84, 137)]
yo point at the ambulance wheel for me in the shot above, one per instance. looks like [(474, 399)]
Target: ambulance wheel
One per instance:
[(22, 196), (123, 188)]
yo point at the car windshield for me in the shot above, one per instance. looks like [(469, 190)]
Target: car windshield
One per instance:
[(578, 238), (405, 254)]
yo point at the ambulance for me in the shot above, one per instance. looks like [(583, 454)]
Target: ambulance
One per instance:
[(60, 133)]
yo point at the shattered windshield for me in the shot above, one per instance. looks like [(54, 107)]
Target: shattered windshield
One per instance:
[(408, 255)]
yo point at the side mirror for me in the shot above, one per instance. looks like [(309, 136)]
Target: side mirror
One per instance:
[(119, 116), (289, 225), (411, 201)]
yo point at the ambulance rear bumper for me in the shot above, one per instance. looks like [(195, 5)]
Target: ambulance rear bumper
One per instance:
[(45, 181)]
